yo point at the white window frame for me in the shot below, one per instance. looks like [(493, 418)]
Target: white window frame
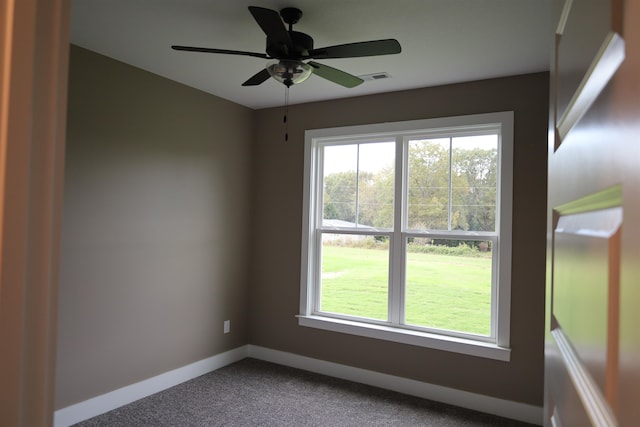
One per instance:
[(496, 346)]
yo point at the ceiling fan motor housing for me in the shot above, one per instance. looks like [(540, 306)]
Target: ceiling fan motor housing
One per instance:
[(302, 44)]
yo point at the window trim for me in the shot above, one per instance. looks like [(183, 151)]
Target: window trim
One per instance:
[(498, 347)]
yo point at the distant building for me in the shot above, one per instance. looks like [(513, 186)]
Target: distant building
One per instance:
[(341, 226)]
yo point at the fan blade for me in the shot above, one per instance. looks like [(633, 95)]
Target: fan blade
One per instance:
[(258, 78), (354, 50), (229, 52), (270, 22), (335, 75)]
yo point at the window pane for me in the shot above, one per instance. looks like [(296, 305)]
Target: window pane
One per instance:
[(428, 184), (340, 182), (448, 285), (375, 184), (475, 168), (358, 185), (355, 275)]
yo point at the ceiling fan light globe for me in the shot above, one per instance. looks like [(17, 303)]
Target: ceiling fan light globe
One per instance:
[(289, 72)]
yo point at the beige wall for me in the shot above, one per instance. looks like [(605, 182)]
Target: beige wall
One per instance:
[(276, 236), (154, 239)]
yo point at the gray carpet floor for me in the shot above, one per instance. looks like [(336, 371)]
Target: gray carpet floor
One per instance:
[(257, 393)]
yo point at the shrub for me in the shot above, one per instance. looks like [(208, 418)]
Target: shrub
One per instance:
[(460, 250)]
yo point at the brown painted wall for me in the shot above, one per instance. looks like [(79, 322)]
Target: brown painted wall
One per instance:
[(154, 239), (276, 236), (159, 246)]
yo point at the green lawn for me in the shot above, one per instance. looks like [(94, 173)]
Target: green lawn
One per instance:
[(443, 291)]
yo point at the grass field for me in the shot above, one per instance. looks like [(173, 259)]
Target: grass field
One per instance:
[(442, 291)]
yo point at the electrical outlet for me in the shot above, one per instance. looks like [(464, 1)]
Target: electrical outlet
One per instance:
[(227, 326)]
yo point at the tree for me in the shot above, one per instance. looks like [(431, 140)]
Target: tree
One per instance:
[(478, 168), (340, 196), (375, 199), (428, 185)]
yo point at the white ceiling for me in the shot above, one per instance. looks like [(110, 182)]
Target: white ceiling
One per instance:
[(443, 41)]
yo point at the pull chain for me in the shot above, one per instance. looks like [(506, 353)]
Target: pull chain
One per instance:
[(286, 112)]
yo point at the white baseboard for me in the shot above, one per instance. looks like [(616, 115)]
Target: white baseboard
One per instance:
[(491, 405), (106, 402)]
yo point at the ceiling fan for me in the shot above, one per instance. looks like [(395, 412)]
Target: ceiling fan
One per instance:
[(288, 49)]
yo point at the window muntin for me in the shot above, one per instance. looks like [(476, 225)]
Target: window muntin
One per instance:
[(466, 187)]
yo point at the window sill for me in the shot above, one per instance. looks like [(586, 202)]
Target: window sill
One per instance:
[(404, 336)]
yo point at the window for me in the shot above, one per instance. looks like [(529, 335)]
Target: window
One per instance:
[(407, 232)]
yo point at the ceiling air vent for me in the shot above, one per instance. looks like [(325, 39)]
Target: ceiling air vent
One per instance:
[(375, 76)]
